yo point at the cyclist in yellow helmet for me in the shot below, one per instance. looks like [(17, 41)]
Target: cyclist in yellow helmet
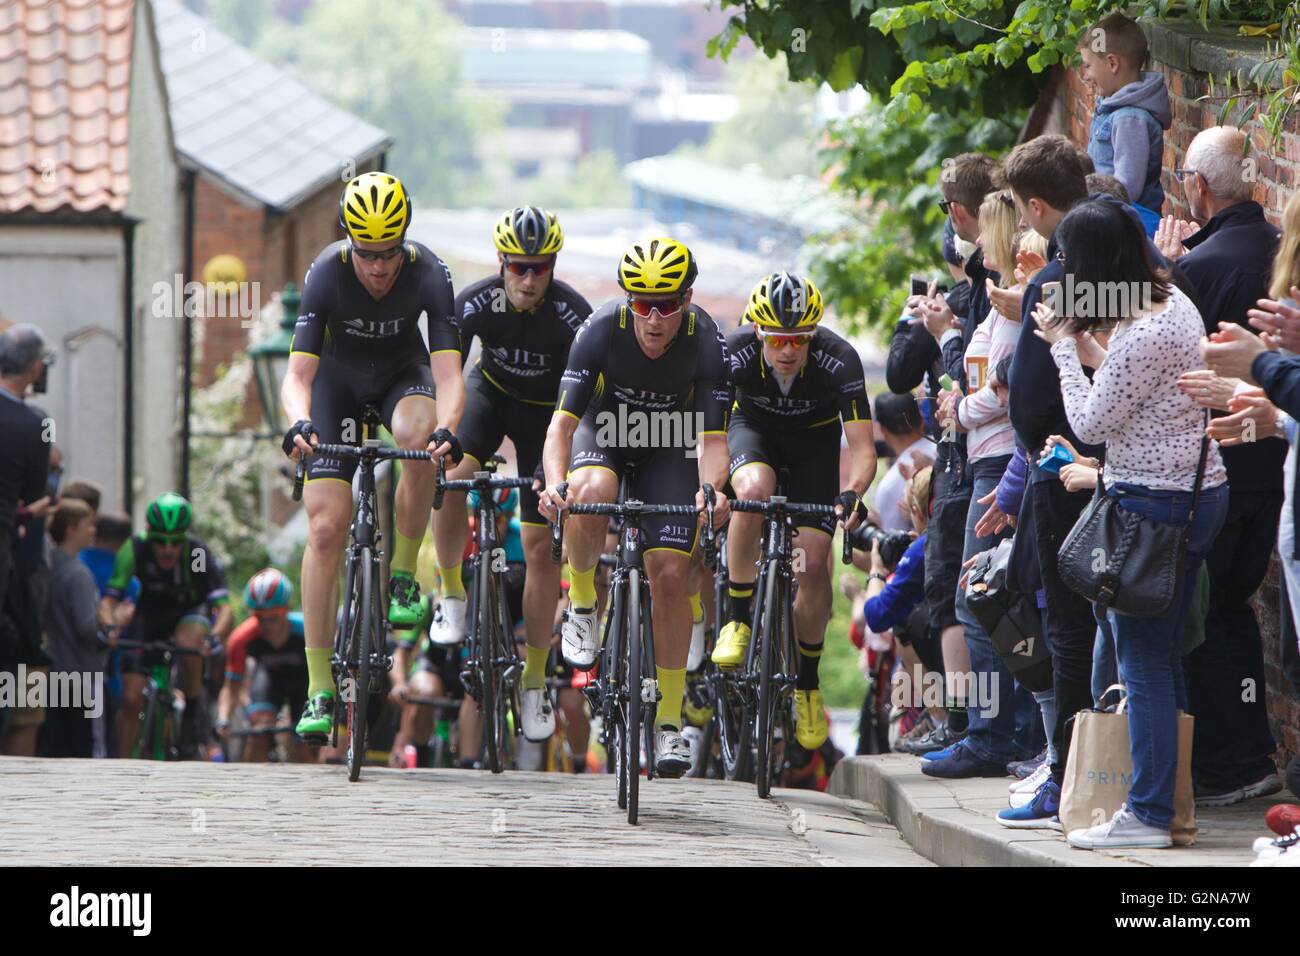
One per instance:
[(357, 342), (525, 320), (646, 384), (795, 381)]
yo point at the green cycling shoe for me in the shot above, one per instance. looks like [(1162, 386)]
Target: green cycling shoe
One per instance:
[(314, 725), (404, 607)]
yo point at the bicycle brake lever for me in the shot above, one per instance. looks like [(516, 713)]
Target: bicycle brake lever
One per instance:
[(440, 483), (557, 527), (299, 476)]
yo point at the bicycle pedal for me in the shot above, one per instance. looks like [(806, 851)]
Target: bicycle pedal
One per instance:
[(315, 740), (649, 690)]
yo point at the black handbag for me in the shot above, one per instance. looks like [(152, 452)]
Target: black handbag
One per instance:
[(1010, 618), (1121, 560)]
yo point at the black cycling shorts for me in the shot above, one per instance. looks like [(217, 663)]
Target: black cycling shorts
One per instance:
[(273, 687), (156, 627), (339, 394), (812, 457), (490, 415), (664, 476)]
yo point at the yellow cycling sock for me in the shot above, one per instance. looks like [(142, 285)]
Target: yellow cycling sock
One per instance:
[(319, 676), (697, 607), (672, 684), (405, 552), (452, 585), (582, 587), (535, 666)]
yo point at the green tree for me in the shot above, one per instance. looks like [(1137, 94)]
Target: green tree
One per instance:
[(397, 65)]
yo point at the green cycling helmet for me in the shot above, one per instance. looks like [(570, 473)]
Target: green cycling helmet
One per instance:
[(169, 514)]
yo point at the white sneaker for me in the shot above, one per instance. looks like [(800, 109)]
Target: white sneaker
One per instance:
[(694, 738), (536, 714), (1264, 787), (695, 656), (578, 642), (448, 625), (1276, 846), (1022, 791), (672, 753), (1122, 831)]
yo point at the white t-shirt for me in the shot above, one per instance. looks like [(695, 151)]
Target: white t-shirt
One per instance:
[(890, 490)]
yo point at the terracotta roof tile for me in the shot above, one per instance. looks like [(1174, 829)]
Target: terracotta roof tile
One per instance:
[(65, 75)]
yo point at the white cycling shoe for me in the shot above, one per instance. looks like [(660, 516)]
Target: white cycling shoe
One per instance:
[(448, 625), (672, 753), (578, 641), (695, 656), (536, 714)]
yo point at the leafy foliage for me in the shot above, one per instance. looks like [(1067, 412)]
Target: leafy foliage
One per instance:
[(949, 76)]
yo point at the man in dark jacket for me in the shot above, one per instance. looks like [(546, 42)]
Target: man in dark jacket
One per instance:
[(23, 470), (1229, 260)]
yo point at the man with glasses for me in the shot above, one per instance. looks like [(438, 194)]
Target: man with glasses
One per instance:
[(794, 381), (357, 343), (181, 583), (525, 320), (646, 383)]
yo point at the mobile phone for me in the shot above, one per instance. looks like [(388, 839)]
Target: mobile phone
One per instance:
[(920, 285), (1054, 459)]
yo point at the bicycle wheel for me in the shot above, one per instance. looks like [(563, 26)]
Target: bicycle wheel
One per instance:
[(768, 657), (359, 699), (649, 709), (508, 658), (632, 735), (485, 643), (611, 682), (146, 735)]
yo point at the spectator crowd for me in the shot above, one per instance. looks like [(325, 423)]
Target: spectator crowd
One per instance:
[(1092, 357)]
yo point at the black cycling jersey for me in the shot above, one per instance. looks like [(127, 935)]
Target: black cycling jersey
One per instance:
[(607, 368), (829, 386), (523, 353), (339, 317), (197, 578)]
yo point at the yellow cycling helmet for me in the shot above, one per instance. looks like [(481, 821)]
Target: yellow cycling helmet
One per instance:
[(660, 266), (786, 302), (528, 231), (374, 207)]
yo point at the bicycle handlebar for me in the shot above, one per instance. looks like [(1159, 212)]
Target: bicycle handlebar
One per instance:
[(378, 452), (157, 646), (768, 508), (708, 546)]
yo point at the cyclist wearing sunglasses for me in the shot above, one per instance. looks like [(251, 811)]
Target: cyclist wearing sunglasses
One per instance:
[(525, 320), (181, 583), (357, 342), (652, 357), (794, 382)]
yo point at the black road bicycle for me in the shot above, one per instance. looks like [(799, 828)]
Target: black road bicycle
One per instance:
[(625, 693), (752, 703), (493, 666), (360, 661)]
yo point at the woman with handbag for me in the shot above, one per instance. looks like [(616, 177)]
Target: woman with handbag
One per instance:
[(1163, 497)]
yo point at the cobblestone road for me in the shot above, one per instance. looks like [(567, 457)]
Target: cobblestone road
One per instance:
[(134, 812)]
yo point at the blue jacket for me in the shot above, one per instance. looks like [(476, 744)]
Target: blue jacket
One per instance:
[(1230, 261), (905, 590), (1127, 139)]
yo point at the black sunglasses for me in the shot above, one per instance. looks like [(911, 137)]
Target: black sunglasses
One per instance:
[(945, 204), (523, 268), (382, 256)]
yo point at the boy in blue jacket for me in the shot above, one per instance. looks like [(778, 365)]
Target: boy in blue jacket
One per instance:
[(1127, 136)]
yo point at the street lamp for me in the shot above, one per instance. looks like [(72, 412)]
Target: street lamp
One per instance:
[(271, 360)]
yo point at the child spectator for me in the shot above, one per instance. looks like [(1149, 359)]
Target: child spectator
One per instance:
[(74, 646), (1128, 124)]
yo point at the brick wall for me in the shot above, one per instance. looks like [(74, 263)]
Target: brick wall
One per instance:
[(1277, 179)]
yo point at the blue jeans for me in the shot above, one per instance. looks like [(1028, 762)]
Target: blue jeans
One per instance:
[(1103, 658), (992, 736), (1149, 651)]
